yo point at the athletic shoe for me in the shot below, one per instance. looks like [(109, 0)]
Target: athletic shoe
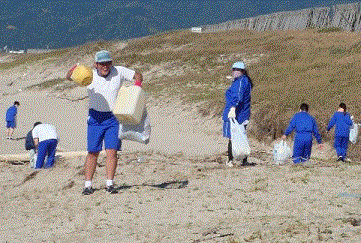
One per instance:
[(246, 163), (229, 163), (111, 190), (339, 158), (88, 190)]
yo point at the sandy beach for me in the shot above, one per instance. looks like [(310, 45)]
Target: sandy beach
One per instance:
[(179, 191)]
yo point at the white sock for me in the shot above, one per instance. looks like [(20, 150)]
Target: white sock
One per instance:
[(88, 183), (109, 182)]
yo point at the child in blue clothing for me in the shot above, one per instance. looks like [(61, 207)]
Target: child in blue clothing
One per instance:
[(305, 126), (343, 123), (11, 119)]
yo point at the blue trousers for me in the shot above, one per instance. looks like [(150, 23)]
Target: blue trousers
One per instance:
[(301, 150), (340, 145), (47, 147)]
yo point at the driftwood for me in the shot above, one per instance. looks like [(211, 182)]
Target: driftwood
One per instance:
[(25, 156)]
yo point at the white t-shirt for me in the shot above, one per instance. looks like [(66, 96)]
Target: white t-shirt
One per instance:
[(103, 91), (44, 132)]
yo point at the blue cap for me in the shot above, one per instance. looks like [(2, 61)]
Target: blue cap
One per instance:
[(239, 65), (103, 56)]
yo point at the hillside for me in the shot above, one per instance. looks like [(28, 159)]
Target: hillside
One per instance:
[(319, 67), (177, 188)]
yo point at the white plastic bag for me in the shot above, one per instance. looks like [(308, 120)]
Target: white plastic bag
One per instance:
[(353, 133), (136, 132), (281, 152), (240, 145)]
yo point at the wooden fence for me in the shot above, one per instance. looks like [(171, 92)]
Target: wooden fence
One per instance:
[(344, 16)]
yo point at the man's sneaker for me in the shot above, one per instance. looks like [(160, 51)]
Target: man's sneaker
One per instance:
[(88, 191), (339, 158), (246, 163), (229, 163), (111, 190)]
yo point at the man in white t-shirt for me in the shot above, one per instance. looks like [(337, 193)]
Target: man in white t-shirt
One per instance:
[(45, 141), (102, 124)]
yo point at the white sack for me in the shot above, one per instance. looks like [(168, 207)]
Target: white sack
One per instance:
[(281, 152), (240, 145), (136, 132), (353, 133)]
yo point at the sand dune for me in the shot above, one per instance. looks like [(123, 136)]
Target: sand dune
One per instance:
[(181, 190)]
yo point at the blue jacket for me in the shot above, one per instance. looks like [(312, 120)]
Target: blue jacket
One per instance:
[(343, 123), (239, 96), (11, 113), (305, 125)]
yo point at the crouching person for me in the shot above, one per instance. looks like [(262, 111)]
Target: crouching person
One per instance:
[(305, 126), (45, 141), (30, 146)]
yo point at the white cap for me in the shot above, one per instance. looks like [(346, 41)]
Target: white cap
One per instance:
[(239, 65)]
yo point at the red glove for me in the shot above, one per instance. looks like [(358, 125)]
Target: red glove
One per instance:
[(70, 72), (138, 83), (73, 67)]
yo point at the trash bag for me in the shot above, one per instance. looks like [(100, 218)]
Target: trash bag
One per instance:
[(240, 145), (136, 132), (353, 133), (281, 152)]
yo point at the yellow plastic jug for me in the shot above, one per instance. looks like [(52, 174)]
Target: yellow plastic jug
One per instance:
[(82, 75), (130, 104)]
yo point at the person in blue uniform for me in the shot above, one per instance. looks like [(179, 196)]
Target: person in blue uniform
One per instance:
[(45, 141), (11, 119), (238, 105), (343, 122), (305, 126)]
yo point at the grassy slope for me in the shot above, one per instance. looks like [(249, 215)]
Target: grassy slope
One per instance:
[(321, 68)]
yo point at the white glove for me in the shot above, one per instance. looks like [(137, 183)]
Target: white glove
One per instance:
[(232, 113)]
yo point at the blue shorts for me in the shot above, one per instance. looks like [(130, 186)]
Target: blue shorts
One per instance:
[(102, 126), (10, 124)]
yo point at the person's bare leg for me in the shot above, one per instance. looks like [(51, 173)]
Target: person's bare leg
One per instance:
[(11, 131), (111, 163), (90, 165)]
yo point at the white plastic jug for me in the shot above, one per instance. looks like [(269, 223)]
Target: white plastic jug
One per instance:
[(130, 103)]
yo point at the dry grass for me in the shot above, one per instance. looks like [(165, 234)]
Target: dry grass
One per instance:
[(319, 67), (58, 84)]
